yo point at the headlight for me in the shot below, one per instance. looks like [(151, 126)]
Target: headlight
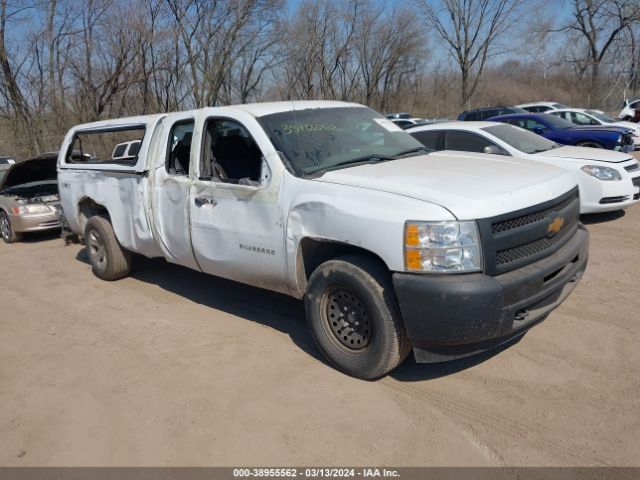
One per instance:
[(442, 247), (30, 209), (602, 173)]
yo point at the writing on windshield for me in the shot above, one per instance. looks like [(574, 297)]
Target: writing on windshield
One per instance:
[(319, 139)]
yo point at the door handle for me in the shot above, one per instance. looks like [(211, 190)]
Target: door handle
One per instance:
[(205, 200)]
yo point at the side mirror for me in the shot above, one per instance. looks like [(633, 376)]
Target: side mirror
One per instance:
[(538, 130), (493, 149)]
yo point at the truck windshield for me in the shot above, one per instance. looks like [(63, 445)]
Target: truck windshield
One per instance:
[(321, 139), (520, 139)]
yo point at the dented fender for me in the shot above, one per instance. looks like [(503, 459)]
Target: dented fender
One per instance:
[(368, 219)]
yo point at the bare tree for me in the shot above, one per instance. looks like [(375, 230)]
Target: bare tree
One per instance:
[(11, 91), (597, 24), (471, 29), (214, 36), (356, 51), (390, 54)]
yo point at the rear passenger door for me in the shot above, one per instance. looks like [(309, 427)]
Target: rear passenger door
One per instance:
[(170, 195)]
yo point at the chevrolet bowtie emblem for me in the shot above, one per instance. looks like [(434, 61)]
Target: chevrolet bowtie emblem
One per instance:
[(555, 226)]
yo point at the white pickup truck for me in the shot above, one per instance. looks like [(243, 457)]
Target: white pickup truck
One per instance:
[(391, 248)]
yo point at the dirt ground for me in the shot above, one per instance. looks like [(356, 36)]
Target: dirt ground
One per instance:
[(172, 367)]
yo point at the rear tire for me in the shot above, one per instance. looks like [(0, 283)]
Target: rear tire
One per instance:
[(354, 317), (6, 230), (109, 261), (590, 144)]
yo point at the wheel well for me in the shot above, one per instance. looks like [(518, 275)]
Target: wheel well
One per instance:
[(583, 141), (88, 208), (313, 252)]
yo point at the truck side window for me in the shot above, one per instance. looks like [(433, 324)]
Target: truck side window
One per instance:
[(179, 148), (465, 141), (433, 139), (230, 154)]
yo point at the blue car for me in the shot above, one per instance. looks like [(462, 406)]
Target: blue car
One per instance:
[(561, 131)]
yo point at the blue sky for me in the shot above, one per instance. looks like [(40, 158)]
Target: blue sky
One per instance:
[(557, 11)]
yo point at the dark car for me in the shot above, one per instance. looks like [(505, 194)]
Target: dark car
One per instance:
[(561, 131), (478, 114)]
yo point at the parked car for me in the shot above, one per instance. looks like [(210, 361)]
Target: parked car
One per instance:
[(29, 200), (390, 248), (408, 122), (391, 116), (541, 107), (608, 180), (404, 119), (566, 133), (3, 169), (125, 151), (628, 111), (583, 116), (483, 113), (7, 161)]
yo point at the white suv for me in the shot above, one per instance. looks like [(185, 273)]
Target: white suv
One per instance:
[(628, 112)]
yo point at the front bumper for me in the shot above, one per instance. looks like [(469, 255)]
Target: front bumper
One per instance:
[(630, 147), (454, 316), (34, 223), (598, 196)]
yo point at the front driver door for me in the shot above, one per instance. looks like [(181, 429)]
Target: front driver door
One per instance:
[(236, 219)]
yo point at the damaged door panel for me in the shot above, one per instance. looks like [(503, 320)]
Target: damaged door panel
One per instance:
[(170, 193)]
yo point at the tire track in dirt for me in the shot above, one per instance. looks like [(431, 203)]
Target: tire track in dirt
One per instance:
[(534, 434)]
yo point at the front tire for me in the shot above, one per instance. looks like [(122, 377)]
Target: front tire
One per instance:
[(6, 230), (109, 261), (589, 144), (354, 317)]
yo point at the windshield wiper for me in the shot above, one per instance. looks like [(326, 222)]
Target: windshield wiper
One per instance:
[(365, 159)]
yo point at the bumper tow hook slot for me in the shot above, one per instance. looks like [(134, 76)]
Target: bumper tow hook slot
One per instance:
[(521, 315)]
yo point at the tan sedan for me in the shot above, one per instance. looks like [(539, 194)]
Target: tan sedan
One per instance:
[(29, 200)]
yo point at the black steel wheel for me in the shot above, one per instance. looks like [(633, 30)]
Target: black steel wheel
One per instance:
[(354, 316), (348, 319)]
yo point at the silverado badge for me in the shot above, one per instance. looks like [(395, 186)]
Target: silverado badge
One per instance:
[(555, 226)]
